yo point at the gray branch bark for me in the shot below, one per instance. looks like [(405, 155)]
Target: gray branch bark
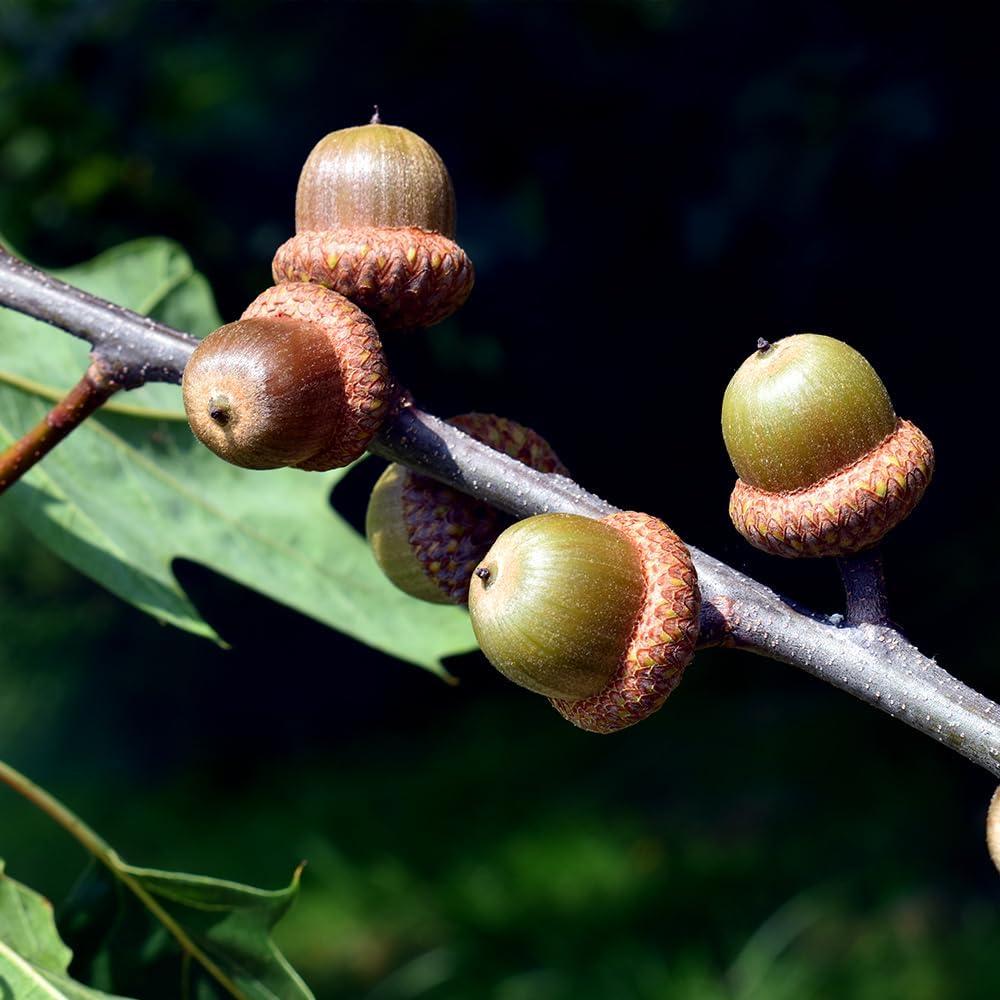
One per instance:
[(872, 662), (134, 347)]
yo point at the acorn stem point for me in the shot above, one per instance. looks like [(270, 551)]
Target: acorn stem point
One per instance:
[(763, 345), (483, 573), (219, 410), (376, 118)]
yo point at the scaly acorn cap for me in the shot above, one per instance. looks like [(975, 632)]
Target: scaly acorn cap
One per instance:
[(826, 468), (600, 616), (299, 380), (375, 175), (375, 221), (427, 537), (403, 278)]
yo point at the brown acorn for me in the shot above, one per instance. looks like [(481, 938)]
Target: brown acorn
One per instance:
[(826, 467), (375, 221), (299, 380), (599, 616), (427, 537)]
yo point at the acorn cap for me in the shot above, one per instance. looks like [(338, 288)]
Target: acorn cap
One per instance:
[(664, 637), (427, 537), (374, 175), (844, 513), (802, 409), (299, 380), (403, 278), (601, 616)]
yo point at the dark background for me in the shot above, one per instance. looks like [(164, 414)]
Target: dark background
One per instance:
[(645, 189)]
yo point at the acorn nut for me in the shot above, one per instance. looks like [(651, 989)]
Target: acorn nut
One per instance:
[(299, 380), (825, 466), (427, 537), (601, 616), (375, 221)]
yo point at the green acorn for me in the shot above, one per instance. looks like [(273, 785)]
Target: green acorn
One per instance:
[(826, 468), (599, 616)]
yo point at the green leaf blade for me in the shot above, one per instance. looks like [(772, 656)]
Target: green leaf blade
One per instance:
[(231, 924), (33, 958)]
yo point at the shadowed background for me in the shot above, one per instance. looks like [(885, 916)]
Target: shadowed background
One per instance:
[(645, 189)]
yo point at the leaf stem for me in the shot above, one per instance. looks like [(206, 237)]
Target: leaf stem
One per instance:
[(87, 396), (59, 814)]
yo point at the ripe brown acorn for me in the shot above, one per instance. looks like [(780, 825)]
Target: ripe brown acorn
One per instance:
[(826, 467), (299, 380), (375, 221), (427, 537), (600, 616)]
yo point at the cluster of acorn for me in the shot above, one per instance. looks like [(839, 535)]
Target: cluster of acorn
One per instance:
[(601, 616)]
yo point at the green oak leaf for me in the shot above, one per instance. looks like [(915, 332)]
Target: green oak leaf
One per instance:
[(33, 959), (131, 490), (138, 922)]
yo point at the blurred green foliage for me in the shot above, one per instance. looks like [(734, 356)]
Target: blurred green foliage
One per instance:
[(670, 179)]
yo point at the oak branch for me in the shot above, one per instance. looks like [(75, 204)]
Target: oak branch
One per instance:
[(859, 654)]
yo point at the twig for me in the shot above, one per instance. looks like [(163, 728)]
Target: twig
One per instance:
[(863, 577), (138, 349), (873, 663), (88, 395)]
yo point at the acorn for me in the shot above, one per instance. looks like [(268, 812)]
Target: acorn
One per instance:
[(427, 537), (993, 829), (601, 616), (299, 380), (825, 466), (375, 221)]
